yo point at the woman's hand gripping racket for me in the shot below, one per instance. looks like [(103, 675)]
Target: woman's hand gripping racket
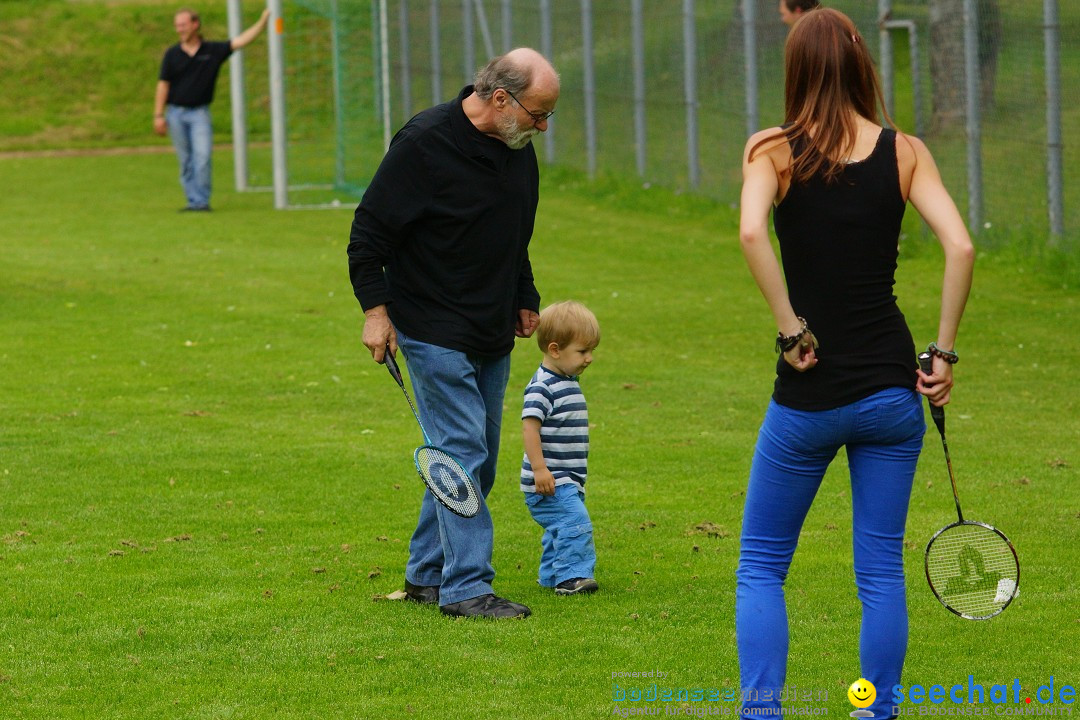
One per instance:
[(972, 567), (444, 476)]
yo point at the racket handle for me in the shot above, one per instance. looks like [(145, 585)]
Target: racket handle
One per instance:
[(926, 364), (392, 367)]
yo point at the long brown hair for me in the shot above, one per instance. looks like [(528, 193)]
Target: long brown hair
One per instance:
[(828, 73)]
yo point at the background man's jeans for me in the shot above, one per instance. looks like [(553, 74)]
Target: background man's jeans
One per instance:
[(459, 399), (193, 137)]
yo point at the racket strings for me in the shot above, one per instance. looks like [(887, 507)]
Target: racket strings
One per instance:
[(972, 569), (447, 481)]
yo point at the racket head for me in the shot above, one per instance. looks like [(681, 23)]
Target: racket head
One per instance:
[(447, 480), (972, 569)]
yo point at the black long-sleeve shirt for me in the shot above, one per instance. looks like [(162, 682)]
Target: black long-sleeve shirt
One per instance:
[(441, 235)]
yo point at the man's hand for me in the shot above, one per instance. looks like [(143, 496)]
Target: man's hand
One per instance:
[(527, 321), (161, 98), (244, 39), (379, 332)]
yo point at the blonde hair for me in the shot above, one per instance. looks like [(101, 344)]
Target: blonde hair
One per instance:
[(564, 322)]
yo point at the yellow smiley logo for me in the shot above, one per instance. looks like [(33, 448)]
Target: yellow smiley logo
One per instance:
[(862, 693)]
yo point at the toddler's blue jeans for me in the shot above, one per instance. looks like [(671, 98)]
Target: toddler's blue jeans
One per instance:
[(883, 435), (568, 550)]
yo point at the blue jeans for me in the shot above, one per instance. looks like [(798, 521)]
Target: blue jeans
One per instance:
[(459, 399), (193, 138), (883, 435), (568, 550)]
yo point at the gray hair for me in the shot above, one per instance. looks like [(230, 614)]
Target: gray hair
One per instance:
[(501, 72)]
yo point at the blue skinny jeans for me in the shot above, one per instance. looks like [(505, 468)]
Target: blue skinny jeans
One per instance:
[(883, 435)]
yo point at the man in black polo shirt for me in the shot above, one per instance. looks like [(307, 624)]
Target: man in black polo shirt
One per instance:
[(438, 258), (182, 101)]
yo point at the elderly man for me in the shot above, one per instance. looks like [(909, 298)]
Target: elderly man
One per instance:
[(438, 258)]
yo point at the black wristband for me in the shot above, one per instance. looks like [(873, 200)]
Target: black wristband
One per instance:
[(787, 342)]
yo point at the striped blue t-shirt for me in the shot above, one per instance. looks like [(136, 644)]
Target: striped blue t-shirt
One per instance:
[(557, 402)]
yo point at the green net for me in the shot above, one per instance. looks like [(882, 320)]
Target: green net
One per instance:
[(334, 129)]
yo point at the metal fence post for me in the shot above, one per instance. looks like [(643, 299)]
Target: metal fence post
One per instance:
[(339, 106), (546, 49), (436, 54), (750, 61), (406, 70), (974, 118), (690, 92), (485, 33), (468, 44), (589, 86), (1055, 191), (637, 41), (916, 77), (278, 133), (507, 26), (885, 56), (384, 69), (239, 107)]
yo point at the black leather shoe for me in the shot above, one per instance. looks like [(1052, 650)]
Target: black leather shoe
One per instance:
[(487, 606), (423, 594)]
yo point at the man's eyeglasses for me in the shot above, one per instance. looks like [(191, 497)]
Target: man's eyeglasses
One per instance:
[(537, 117)]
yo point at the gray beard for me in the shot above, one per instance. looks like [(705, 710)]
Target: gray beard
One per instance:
[(515, 136)]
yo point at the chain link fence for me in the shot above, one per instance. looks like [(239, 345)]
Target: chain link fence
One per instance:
[(666, 91)]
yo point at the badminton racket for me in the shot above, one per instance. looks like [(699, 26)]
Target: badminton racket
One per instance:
[(444, 476), (972, 568)]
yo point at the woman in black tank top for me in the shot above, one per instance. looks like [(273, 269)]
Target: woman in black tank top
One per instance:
[(837, 184)]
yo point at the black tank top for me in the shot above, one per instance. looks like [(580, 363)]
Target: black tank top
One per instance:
[(838, 242)]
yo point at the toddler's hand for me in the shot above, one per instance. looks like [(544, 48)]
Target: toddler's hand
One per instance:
[(545, 482)]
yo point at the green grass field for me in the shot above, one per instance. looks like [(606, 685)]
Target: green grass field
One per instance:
[(205, 483), (206, 488)]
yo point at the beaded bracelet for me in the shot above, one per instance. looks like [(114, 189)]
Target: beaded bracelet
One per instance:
[(787, 342), (948, 356)]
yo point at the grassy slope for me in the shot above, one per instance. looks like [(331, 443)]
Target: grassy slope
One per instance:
[(204, 482), (82, 73)]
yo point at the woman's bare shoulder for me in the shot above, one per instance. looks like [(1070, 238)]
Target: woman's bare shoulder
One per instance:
[(909, 147), (766, 141)]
